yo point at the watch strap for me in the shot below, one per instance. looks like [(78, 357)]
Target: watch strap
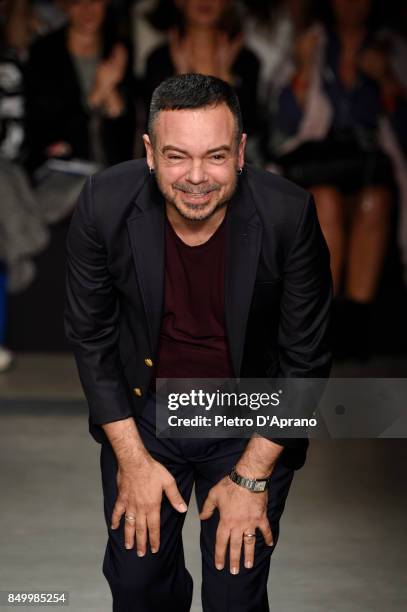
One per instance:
[(257, 485)]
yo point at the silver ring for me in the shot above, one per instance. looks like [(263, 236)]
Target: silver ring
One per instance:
[(129, 517), (249, 535)]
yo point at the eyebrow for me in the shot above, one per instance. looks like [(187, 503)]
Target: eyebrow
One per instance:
[(174, 148)]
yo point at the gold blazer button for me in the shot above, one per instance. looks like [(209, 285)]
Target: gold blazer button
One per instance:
[(148, 362), (138, 391)]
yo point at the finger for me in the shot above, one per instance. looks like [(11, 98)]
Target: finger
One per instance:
[(221, 544), (267, 533), (249, 546), (153, 525), (236, 537), (129, 528), (207, 509), (174, 497), (118, 511), (141, 535)]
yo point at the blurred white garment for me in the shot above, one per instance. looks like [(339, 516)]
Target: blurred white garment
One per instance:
[(272, 43), (145, 38)]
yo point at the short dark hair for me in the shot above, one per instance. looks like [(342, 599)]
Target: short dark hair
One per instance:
[(187, 91)]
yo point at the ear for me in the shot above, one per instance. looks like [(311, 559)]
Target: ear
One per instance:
[(149, 150), (240, 155)]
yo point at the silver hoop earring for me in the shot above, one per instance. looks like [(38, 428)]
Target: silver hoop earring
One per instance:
[(151, 170), (239, 171)]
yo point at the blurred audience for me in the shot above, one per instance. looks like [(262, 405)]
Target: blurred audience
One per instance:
[(338, 108), (322, 86), (206, 37), (22, 232), (79, 90)]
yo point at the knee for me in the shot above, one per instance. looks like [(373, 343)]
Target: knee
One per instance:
[(375, 206), (131, 581)]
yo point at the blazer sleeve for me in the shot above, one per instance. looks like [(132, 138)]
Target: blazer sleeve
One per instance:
[(91, 317), (305, 309)]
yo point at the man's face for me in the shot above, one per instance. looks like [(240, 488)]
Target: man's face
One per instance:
[(196, 156)]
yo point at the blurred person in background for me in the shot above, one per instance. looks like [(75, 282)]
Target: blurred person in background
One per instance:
[(22, 231), (270, 29), (79, 107), (207, 38), (337, 110), (80, 90)]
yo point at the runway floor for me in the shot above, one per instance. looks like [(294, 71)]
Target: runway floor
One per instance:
[(343, 541)]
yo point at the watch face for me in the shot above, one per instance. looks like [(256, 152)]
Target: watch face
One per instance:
[(259, 486)]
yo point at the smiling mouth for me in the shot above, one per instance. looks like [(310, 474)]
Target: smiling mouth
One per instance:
[(197, 195), (190, 195)]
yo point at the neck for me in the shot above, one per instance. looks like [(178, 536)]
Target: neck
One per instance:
[(83, 44), (194, 232), (202, 37), (351, 33)]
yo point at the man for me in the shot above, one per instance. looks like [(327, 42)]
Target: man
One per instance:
[(192, 265)]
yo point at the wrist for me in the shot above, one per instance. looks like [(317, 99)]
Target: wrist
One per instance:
[(250, 470), (135, 461), (259, 457)]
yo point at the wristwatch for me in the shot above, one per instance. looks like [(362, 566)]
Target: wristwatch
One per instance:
[(253, 484)]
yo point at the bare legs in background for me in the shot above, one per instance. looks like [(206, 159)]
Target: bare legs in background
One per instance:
[(356, 229)]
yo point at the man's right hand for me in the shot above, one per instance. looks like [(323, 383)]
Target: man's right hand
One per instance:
[(140, 488)]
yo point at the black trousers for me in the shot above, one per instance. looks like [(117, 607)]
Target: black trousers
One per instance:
[(160, 581)]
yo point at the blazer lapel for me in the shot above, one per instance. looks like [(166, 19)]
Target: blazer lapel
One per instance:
[(146, 227), (243, 242)]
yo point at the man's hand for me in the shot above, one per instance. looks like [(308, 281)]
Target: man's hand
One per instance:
[(241, 512), (140, 488), (141, 481), (109, 73)]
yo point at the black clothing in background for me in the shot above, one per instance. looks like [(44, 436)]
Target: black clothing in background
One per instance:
[(246, 68), (55, 110)]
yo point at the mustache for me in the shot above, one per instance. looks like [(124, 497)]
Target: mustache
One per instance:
[(197, 191)]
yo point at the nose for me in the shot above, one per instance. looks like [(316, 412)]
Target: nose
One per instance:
[(196, 173)]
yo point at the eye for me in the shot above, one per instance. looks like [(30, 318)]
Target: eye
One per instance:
[(218, 157), (173, 156)]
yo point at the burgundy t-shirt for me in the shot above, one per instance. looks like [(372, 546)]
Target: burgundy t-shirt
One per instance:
[(193, 342)]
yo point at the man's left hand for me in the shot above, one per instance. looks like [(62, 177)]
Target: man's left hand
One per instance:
[(241, 512)]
